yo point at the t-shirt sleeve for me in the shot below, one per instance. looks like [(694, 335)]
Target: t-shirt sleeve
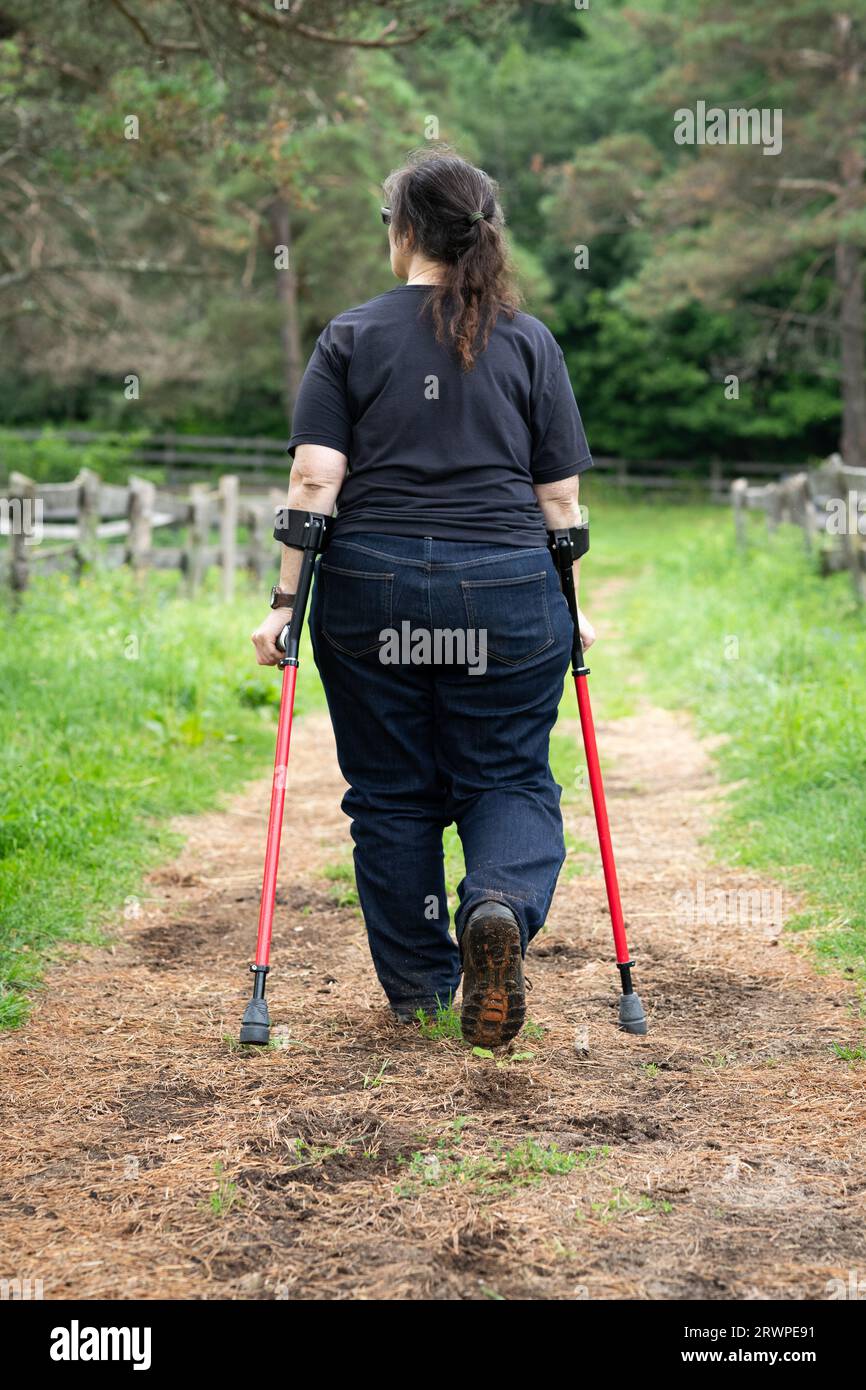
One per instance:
[(559, 447), (322, 414)]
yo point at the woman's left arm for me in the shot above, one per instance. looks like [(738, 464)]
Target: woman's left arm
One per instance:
[(314, 486)]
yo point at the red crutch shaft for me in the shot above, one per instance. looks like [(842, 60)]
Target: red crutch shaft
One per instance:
[(602, 824), (567, 544), (275, 818), (306, 532)]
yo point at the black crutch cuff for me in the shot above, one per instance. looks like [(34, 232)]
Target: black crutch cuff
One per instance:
[(302, 530), (577, 537)]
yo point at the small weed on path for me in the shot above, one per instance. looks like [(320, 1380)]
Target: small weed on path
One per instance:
[(621, 1204), (225, 1194), (445, 1023), (374, 1079), (496, 1171), (342, 879)]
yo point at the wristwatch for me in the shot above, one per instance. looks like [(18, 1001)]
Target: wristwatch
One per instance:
[(279, 599)]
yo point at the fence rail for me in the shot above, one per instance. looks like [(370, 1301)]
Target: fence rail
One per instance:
[(104, 524), (88, 521), (259, 459), (828, 504)]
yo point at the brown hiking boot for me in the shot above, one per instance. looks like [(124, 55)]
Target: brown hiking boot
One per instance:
[(494, 1002)]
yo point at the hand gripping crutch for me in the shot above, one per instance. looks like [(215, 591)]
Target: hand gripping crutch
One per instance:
[(307, 532), (566, 546)]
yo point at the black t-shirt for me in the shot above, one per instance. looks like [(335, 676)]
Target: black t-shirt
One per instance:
[(433, 450)]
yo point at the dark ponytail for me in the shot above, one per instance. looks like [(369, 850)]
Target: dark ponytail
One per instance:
[(453, 211)]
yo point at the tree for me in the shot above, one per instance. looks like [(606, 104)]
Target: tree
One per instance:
[(727, 225), (160, 168)]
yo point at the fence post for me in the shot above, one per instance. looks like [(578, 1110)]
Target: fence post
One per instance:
[(228, 492), (848, 543), (807, 518), (88, 519), (739, 489), (140, 509), (858, 548), (256, 551), (199, 520), (773, 507), (856, 552)]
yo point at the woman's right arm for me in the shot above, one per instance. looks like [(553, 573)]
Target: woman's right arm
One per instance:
[(560, 509), (314, 485)]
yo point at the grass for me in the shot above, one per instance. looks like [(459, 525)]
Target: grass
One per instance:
[(341, 876), (444, 1024), (311, 1154), (373, 1080), (225, 1194), (717, 1061), (119, 708), (532, 1031), (621, 1204), (772, 657), (580, 857), (496, 1171)]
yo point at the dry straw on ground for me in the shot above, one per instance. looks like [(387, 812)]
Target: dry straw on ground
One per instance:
[(722, 1156)]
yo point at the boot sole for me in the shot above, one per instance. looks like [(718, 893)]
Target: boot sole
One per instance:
[(494, 1002)]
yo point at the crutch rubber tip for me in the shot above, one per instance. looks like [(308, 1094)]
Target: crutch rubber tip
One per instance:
[(632, 1018), (256, 1024)]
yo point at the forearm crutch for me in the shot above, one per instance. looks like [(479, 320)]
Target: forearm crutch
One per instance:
[(307, 532), (566, 546)]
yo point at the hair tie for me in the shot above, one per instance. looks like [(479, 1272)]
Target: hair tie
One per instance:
[(477, 216)]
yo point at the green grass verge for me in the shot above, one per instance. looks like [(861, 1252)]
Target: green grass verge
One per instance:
[(119, 708), (772, 656)]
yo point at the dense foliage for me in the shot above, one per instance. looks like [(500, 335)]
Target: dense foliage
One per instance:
[(158, 154)]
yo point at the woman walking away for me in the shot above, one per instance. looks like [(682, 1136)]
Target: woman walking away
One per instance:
[(441, 422)]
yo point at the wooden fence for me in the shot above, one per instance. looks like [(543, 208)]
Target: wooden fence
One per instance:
[(89, 522), (828, 504), (260, 460), (678, 476), (184, 456)]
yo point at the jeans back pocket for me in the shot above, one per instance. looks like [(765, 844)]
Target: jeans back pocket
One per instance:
[(513, 613), (356, 606)]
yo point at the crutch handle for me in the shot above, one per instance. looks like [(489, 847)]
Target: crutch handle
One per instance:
[(566, 546), (307, 532)]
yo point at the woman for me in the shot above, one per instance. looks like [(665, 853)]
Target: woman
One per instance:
[(442, 424)]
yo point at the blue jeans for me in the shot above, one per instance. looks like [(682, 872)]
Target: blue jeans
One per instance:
[(424, 744)]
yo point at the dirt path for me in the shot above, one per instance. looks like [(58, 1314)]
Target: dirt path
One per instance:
[(720, 1157)]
